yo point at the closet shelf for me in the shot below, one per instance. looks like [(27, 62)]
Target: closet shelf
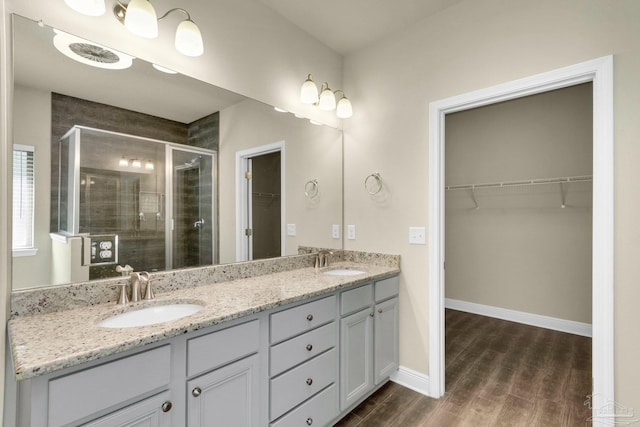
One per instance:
[(543, 181), (561, 180)]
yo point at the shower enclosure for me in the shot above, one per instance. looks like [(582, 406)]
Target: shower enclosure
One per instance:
[(136, 201)]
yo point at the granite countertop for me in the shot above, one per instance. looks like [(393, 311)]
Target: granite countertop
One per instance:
[(48, 342)]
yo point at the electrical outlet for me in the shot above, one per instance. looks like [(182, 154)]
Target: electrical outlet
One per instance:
[(335, 231), (351, 232), (291, 229), (417, 236)]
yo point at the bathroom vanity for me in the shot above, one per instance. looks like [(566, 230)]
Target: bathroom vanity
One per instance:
[(293, 348)]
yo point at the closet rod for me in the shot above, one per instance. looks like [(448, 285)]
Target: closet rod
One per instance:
[(583, 178)]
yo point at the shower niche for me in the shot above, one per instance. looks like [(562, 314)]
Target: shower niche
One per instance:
[(125, 199)]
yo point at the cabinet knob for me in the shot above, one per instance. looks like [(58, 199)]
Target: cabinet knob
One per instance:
[(166, 406), (309, 317), (309, 381), (196, 392), (309, 421), (309, 347), (371, 314), (380, 310)]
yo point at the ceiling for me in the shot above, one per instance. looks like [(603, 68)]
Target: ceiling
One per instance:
[(348, 25)]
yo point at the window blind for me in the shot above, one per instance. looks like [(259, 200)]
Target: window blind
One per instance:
[(23, 196)]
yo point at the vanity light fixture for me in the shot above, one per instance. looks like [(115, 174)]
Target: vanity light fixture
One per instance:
[(149, 165), (139, 17), (123, 162), (136, 163), (326, 100)]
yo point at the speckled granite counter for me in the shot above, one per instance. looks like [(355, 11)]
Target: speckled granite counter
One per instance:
[(48, 342)]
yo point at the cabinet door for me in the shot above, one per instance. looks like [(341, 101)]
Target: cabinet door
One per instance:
[(151, 412), (385, 355), (356, 356), (226, 397)]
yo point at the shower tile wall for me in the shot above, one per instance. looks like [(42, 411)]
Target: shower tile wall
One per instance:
[(69, 111)]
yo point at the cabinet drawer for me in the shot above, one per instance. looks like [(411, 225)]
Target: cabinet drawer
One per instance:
[(387, 288), (355, 299), (218, 348), (318, 411), (297, 385), (304, 347), (81, 394), (294, 321)]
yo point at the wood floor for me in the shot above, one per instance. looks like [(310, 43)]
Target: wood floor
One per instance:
[(498, 373)]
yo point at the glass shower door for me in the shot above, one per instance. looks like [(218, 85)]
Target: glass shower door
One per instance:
[(191, 199)]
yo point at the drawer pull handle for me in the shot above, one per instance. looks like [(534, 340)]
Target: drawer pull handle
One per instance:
[(166, 406), (309, 317), (196, 392), (309, 421), (309, 381), (309, 347)]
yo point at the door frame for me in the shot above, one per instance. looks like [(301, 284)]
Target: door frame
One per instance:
[(600, 72), (241, 196)]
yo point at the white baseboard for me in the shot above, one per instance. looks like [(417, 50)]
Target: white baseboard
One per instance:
[(411, 379), (569, 326)]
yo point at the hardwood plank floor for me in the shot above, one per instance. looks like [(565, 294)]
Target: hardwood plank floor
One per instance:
[(497, 373)]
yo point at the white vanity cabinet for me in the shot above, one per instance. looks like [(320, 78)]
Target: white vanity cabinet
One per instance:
[(304, 364), (368, 338)]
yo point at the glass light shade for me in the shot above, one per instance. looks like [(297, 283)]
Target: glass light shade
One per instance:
[(141, 19), (163, 69), (327, 100), (189, 39), (123, 162), (309, 92), (87, 7), (149, 165), (136, 163), (344, 109)]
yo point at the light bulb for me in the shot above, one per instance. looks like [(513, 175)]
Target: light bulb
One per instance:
[(141, 19), (189, 39), (87, 7), (327, 99), (344, 109), (309, 91)]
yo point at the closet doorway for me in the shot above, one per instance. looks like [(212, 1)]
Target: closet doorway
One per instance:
[(260, 202), (518, 194), (600, 73)]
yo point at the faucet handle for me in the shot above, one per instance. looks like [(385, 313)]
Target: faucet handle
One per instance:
[(148, 293), (124, 270), (123, 298)]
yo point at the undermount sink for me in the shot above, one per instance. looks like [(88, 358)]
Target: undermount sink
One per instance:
[(343, 272), (150, 315)]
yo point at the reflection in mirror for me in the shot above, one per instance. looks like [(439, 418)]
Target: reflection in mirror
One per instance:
[(179, 207)]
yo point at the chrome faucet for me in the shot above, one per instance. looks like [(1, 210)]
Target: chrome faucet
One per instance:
[(322, 258)]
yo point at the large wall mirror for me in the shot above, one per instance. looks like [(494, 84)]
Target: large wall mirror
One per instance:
[(135, 165)]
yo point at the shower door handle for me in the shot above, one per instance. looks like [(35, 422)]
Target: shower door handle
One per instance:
[(199, 224)]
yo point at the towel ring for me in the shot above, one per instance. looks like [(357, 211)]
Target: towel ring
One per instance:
[(373, 183), (311, 189)]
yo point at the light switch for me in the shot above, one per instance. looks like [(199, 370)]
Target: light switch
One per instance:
[(335, 231), (291, 229), (351, 232), (417, 236)]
